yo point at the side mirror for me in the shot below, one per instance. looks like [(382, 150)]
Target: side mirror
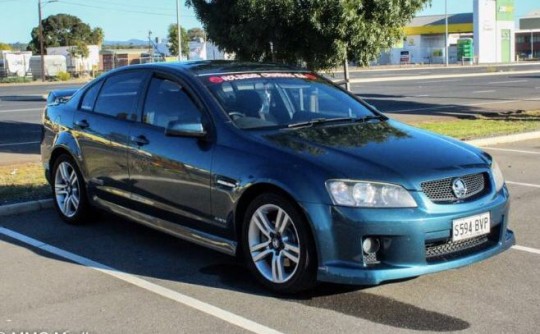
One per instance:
[(180, 129)]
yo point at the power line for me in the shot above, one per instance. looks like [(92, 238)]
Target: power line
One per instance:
[(123, 5), (121, 9)]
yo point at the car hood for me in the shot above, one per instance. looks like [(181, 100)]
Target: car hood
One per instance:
[(384, 151)]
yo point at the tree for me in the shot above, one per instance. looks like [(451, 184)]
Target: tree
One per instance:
[(65, 30), (195, 33), (321, 33), (5, 47), (79, 49), (173, 40)]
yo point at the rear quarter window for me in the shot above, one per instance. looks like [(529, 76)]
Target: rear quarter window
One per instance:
[(89, 98)]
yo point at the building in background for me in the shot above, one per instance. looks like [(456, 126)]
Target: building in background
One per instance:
[(424, 40), (113, 58), (489, 31), (15, 63), (77, 65), (53, 65), (528, 36), (200, 49), (494, 31)]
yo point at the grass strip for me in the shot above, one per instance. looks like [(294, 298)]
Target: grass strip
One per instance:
[(490, 125), (23, 182)]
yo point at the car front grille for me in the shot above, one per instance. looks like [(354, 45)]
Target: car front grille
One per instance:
[(449, 250), (441, 190)]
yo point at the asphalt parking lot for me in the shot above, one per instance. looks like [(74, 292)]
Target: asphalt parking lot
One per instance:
[(116, 276)]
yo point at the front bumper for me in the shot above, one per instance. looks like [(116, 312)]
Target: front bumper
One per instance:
[(405, 235)]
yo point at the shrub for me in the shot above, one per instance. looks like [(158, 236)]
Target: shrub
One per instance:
[(63, 76)]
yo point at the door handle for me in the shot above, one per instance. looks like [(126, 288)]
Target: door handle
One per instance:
[(83, 124), (140, 140)]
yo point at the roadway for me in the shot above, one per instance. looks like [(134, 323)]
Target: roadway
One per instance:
[(20, 121), (116, 276)]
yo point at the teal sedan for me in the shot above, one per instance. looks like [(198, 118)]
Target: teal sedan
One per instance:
[(274, 164)]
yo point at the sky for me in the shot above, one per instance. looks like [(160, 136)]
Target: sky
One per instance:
[(133, 19)]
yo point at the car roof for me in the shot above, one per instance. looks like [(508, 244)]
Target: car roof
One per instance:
[(210, 67)]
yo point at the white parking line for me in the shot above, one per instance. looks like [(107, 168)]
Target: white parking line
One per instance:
[(527, 249), (144, 284), (483, 91), (524, 184), (17, 110), (17, 144), (509, 150), (436, 81)]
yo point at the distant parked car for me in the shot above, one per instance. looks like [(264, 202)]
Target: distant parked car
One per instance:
[(275, 164)]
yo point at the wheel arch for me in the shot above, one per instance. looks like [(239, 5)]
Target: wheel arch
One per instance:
[(261, 188), (65, 144)]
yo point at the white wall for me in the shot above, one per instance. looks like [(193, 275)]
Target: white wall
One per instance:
[(488, 31), (78, 63)]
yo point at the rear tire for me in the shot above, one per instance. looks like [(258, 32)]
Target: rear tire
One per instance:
[(69, 191), (277, 245)]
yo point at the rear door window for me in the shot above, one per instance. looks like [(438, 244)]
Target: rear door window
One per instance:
[(119, 96)]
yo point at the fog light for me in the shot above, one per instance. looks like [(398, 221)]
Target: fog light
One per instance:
[(371, 245)]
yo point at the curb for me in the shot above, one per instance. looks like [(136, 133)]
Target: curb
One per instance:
[(18, 208), (14, 209), (504, 139), (33, 97)]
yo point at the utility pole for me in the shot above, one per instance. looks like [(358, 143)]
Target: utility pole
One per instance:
[(41, 43), (446, 33), (179, 30), (41, 51)]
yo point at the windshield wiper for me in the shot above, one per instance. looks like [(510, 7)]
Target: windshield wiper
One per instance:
[(317, 121)]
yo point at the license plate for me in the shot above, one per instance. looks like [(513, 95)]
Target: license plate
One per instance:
[(470, 227)]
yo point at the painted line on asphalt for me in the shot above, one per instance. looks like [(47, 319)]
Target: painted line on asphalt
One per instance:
[(483, 91), (144, 284), (421, 95), (505, 82), (437, 81), (527, 249), (448, 106), (17, 144), (509, 150), (523, 184), (18, 110)]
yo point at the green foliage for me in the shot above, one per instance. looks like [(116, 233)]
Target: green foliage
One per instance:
[(65, 30), (63, 76), (5, 47), (194, 33), (321, 33), (173, 40), (15, 80), (79, 49)]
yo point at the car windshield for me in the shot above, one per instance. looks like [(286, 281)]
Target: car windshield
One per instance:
[(260, 100)]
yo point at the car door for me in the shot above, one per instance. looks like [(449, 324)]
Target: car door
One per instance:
[(101, 125), (170, 173)]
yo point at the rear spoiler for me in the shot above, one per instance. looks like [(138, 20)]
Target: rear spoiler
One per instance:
[(60, 96)]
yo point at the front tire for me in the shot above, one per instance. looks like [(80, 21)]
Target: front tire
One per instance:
[(69, 191), (277, 245)]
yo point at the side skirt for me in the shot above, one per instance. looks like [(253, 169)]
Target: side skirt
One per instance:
[(200, 238)]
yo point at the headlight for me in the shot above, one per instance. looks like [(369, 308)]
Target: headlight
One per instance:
[(369, 194), (497, 175)]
